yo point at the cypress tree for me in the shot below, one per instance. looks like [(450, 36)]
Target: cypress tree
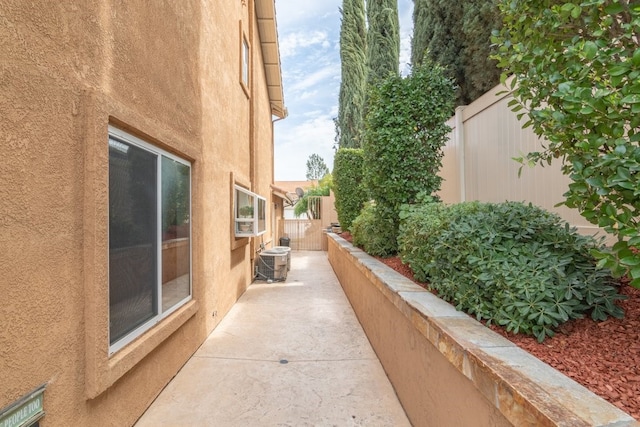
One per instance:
[(354, 72), (383, 40), (480, 72), (421, 31), (457, 36), (446, 44)]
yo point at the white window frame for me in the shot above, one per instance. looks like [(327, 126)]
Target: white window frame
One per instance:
[(257, 202), (119, 134)]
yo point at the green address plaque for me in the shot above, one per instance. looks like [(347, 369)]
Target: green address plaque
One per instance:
[(24, 412)]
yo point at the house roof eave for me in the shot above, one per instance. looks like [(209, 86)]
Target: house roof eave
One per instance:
[(268, 31)]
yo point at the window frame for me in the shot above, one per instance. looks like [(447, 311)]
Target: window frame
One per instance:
[(125, 137), (258, 204)]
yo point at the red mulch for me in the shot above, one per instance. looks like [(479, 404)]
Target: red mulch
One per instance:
[(602, 356)]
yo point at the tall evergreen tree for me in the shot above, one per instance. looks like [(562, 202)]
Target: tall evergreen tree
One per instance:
[(445, 46), (354, 73), (421, 31), (457, 36), (383, 40), (481, 73)]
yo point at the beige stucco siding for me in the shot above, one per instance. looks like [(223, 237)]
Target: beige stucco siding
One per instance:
[(169, 74), (225, 125)]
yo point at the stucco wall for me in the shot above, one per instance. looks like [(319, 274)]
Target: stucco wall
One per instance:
[(170, 75), (450, 370)]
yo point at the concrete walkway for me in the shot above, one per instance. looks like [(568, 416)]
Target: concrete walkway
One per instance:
[(288, 354)]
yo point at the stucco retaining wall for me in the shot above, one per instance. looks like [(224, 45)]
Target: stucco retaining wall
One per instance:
[(450, 370)]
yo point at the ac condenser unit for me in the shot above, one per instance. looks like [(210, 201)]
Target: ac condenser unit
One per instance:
[(272, 265), (285, 250)]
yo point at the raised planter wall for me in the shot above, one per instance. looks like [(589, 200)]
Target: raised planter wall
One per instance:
[(450, 370)]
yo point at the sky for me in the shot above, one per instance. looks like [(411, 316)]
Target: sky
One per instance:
[(309, 39)]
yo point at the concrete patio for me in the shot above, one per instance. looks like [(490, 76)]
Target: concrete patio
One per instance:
[(287, 354)]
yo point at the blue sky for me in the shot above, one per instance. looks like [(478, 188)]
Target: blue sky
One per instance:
[(309, 34)]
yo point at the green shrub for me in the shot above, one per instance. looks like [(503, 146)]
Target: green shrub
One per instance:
[(512, 264), (347, 185), (419, 224), (420, 227), (372, 232), (405, 130)]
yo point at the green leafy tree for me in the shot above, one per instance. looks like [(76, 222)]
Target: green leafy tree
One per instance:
[(175, 196), (354, 74), (308, 203), (316, 167), (383, 40), (347, 185), (576, 69), (405, 131)]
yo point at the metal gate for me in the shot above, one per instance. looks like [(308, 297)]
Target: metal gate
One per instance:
[(304, 234), (308, 234)]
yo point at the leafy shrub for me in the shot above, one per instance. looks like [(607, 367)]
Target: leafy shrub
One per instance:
[(420, 226), (512, 264), (576, 69), (347, 185), (405, 131), (372, 232)]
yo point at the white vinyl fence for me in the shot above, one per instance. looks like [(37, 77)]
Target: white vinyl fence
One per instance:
[(478, 160)]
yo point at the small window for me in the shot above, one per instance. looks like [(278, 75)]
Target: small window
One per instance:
[(245, 62), (149, 236), (262, 215), (250, 213)]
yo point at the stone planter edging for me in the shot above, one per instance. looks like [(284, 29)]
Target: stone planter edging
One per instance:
[(524, 390)]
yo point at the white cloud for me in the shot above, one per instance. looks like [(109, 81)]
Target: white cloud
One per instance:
[(290, 44), (405, 15), (314, 78), (301, 14), (307, 95)]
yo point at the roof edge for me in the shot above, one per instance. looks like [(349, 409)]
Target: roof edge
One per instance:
[(268, 32)]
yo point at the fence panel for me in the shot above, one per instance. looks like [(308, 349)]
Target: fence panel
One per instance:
[(478, 161)]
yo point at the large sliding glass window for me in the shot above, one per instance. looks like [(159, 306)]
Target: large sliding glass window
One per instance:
[(149, 235)]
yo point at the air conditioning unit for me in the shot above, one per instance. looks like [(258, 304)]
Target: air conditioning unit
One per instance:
[(272, 265), (285, 250)]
